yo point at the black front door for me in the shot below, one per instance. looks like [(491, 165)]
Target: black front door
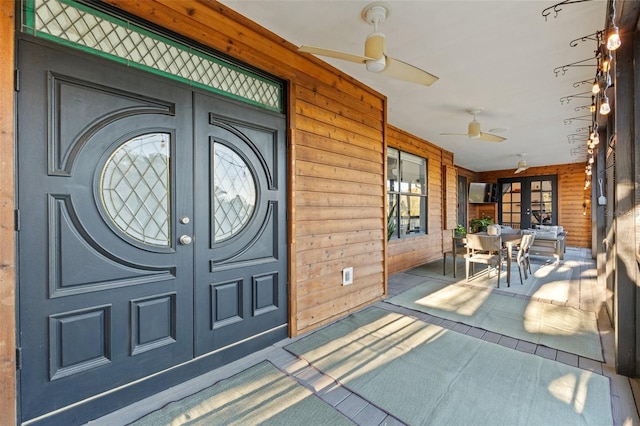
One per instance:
[(150, 227), (528, 201)]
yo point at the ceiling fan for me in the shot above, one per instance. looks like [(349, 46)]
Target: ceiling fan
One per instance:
[(375, 57), (474, 129), (522, 165)]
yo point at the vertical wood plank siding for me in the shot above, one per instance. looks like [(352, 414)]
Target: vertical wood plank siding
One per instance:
[(571, 196), (7, 248), (405, 253), (336, 163)]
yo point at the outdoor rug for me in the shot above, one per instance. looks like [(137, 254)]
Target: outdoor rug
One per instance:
[(548, 281), (424, 374), (558, 327), (261, 394)]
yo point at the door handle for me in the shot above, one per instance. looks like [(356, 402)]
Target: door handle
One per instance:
[(186, 240)]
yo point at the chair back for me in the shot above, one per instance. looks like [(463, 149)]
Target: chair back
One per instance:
[(488, 243), (527, 241)]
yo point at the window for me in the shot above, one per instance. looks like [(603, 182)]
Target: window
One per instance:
[(135, 188), (407, 193)]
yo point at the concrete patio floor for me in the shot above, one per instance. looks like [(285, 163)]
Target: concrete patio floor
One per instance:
[(584, 294)]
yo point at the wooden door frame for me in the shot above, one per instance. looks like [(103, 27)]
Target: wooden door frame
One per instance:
[(7, 208)]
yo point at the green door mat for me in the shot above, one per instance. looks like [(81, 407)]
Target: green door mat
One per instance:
[(558, 327), (426, 375), (261, 394)]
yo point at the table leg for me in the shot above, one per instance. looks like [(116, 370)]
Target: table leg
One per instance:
[(509, 251)]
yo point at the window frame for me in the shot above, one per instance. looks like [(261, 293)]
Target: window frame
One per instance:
[(398, 169)]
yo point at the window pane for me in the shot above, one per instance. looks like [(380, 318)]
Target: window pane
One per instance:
[(412, 214), (413, 173), (135, 188), (392, 220), (393, 170), (234, 192)]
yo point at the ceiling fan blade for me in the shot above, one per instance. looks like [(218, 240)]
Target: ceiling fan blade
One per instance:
[(403, 71), (334, 54), (520, 169), (491, 137)]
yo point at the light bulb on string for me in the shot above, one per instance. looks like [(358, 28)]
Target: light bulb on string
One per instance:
[(605, 108), (613, 39)]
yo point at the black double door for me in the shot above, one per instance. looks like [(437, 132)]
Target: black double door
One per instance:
[(151, 228)]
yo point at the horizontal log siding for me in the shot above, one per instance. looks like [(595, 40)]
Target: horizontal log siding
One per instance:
[(406, 253), (336, 160), (571, 196)]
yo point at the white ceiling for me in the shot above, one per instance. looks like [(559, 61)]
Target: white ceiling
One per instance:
[(499, 55)]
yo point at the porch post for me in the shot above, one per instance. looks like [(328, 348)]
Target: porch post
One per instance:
[(626, 268)]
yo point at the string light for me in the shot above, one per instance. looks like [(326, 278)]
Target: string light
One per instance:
[(605, 108), (613, 37)]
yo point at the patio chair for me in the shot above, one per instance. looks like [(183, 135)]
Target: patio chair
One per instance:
[(527, 258), (521, 256), (458, 250), (484, 249)]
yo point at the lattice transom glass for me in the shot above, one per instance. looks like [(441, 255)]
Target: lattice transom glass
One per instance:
[(135, 188), (82, 27), (234, 192)]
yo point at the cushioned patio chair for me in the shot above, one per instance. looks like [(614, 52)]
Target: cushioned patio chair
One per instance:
[(484, 249)]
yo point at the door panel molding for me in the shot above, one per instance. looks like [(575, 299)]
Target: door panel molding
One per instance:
[(65, 144)]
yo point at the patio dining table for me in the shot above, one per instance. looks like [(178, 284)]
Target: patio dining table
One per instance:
[(509, 241)]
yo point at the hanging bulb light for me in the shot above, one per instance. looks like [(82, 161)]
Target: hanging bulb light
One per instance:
[(595, 89), (596, 139), (591, 160), (590, 151), (592, 108), (613, 39), (606, 63), (605, 108)]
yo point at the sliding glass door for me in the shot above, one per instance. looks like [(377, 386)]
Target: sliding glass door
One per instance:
[(528, 201)]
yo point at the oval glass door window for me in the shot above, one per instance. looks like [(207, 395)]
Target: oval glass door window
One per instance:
[(135, 188), (234, 192)]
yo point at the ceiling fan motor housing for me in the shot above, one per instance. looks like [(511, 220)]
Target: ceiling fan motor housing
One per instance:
[(474, 129)]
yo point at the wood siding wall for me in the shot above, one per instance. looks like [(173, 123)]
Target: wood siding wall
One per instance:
[(412, 251), (336, 164), (571, 196)]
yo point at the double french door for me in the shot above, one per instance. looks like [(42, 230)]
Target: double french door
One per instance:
[(528, 201), (151, 229)]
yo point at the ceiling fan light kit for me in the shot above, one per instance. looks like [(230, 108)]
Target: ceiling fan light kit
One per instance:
[(474, 130), (375, 55), (522, 165)]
